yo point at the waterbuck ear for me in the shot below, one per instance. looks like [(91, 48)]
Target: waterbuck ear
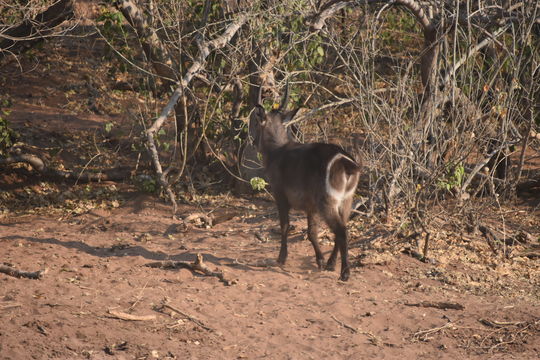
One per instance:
[(257, 118), (258, 115), (289, 115), (256, 121)]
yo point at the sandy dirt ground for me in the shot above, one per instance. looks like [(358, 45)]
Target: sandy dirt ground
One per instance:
[(96, 268)]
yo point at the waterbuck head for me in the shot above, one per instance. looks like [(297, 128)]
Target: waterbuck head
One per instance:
[(268, 129)]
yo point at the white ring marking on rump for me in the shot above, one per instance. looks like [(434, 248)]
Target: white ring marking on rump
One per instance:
[(338, 194)]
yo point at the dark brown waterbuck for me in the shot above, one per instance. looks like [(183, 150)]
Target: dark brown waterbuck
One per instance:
[(318, 178)]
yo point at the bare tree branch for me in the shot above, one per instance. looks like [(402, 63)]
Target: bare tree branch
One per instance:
[(484, 161), (205, 48)]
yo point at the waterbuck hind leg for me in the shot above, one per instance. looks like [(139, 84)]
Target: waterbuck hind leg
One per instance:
[(346, 209), (283, 210), (338, 227), (343, 243), (331, 264), (313, 234), (333, 220)]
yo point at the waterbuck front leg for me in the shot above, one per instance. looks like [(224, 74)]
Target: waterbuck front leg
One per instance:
[(313, 234), (283, 211), (331, 264)]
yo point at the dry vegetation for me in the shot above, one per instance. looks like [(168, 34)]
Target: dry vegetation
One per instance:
[(109, 120)]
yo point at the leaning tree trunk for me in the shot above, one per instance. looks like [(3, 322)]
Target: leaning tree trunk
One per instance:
[(153, 48)]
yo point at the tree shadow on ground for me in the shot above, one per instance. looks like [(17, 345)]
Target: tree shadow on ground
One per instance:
[(120, 250)]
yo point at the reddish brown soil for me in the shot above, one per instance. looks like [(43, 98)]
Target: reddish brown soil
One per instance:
[(95, 240), (96, 263)]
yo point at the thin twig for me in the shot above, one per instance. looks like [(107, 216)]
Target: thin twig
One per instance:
[(423, 334), (139, 297), (130, 317), (10, 306), (354, 330), (498, 324), (483, 163), (189, 317)]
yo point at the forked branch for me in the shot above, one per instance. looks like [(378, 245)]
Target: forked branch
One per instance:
[(205, 48)]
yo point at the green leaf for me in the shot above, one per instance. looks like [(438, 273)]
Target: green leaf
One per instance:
[(258, 183)]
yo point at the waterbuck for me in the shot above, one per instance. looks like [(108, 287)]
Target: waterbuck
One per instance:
[(318, 178)]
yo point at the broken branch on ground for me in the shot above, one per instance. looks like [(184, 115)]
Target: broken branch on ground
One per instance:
[(198, 266), (130, 317), (187, 316), (8, 270), (438, 304)]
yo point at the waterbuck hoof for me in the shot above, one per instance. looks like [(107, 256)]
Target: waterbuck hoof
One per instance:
[(320, 263), (330, 267), (344, 276), (281, 260)]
